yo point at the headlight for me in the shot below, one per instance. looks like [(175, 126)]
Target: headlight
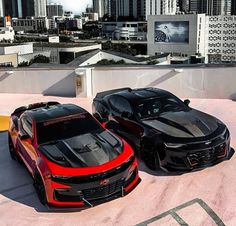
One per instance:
[(60, 179), (173, 145), (130, 160)]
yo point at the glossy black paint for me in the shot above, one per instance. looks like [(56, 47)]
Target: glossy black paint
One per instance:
[(164, 131)]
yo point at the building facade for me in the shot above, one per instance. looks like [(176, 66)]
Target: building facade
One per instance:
[(125, 30), (233, 7), (180, 35), (221, 39), (100, 7), (2, 11), (30, 24), (54, 9), (211, 7), (28, 8), (168, 7), (40, 8)]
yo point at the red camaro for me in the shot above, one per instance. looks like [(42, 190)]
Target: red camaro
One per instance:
[(73, 160)]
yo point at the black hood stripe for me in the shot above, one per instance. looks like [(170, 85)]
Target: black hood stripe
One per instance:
[(174, 124)]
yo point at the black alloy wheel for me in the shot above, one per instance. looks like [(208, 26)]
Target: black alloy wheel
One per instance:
[(40, 189)]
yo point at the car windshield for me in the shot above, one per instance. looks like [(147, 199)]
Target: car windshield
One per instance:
[(153, 107), (66, 127)]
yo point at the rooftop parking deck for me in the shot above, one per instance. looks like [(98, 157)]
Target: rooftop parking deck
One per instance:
[(206, 197)]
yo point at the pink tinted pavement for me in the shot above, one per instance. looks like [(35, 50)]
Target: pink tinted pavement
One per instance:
[(158, 192)]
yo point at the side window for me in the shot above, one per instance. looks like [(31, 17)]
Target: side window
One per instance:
[(120, 105), (27, 125)]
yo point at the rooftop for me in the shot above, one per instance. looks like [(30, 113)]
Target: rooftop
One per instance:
[(205, 197)]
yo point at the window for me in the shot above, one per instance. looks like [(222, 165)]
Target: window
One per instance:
[(27, 125), (120, 105), (66, 127)]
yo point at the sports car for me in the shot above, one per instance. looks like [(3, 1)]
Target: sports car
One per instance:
[(73, 160), (163, 130)]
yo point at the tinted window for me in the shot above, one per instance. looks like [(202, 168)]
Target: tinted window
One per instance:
[(151, 108), (120, 104), (66, 127), (27, 125)]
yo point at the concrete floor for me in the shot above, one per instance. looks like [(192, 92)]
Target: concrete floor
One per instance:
[(206, 197)]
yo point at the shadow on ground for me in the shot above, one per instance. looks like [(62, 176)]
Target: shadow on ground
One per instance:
[(17, 184)]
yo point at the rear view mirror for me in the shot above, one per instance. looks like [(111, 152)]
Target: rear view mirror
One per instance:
[(15, 122), (187, 102)]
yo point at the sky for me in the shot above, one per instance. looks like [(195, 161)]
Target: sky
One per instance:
[(76, 6)]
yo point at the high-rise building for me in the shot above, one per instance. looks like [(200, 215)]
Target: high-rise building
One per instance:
[(153, 7), (40, 8), (184, 6), (100, 7), (13, 8), (168, 7), (2, 11), (131, 9), (211, 7), (233, 7), (27, 8), (54, 9)]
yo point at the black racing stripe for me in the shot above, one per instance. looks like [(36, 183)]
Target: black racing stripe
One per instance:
[(174, 124), (70, 156)]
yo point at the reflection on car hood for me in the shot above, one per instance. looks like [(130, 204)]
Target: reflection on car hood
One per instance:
[(183, 124), (84, 150)]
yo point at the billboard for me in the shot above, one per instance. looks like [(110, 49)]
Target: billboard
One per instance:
[(172, 31)]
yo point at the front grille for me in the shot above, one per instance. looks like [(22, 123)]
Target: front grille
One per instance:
[(207, 156), (102, 191)]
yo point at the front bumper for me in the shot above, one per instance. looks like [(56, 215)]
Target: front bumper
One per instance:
[(90, 193), (195, 156)]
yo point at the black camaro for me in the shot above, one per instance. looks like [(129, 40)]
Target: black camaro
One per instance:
[(164, 131)]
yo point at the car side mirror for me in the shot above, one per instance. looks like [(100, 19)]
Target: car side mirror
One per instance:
[(15, 122), (187, 102)]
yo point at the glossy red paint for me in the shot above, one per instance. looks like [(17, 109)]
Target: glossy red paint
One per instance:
[(27, 150)]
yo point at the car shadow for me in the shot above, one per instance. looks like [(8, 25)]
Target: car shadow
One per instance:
[(17, 183), (159, 172)]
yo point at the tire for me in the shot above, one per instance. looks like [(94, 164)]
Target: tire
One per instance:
[(40, 189), (11, 147), (152, 161)]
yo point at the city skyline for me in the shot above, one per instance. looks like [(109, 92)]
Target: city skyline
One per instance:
[(75, 6)]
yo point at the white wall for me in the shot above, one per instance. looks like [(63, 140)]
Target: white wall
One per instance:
[(40, 81), (193, 82), (19, 49)]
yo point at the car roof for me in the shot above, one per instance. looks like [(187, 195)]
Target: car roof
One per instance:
[(55, 111), (136, 95)]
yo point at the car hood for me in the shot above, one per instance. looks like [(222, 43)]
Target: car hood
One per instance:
[(83, 151), (184, 124)]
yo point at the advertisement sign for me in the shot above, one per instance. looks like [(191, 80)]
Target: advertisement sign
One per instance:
[(172, 31)]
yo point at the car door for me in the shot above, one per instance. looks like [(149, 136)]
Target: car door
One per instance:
[(26, 142), (122, 113)]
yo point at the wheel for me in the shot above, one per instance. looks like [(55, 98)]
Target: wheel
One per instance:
[(40, 189), (12, 149), (152, 161)]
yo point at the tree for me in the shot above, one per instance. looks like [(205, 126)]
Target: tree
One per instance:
[(39, 59)]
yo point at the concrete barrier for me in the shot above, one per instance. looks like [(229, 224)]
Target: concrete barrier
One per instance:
[(191, 82)]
